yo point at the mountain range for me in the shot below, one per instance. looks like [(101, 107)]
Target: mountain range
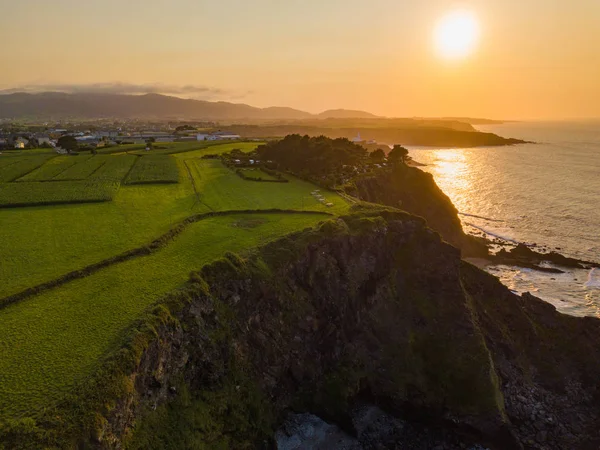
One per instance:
[(57, 105)]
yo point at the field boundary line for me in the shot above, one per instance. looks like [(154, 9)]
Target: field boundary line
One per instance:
[(157, 244), (96, 170), (52, 202), (67, 168), (189, 171), (35, 168), (137, 158)]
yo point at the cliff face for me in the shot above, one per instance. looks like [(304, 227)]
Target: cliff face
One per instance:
[(415, 191), (372, 308)]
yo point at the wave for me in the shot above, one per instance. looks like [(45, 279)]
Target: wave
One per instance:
[(593, 280), (480, 217), (491, 233)]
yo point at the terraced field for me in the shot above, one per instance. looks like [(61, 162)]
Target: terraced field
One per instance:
[(14, 167), (54, 339), (83, 170), (154, 169), (78, 178), (32, 194), (54, 167)]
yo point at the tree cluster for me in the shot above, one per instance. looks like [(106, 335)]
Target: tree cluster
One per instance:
[(312, 156)]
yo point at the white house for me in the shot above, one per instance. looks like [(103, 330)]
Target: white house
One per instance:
[(44, 140), (218, 136)]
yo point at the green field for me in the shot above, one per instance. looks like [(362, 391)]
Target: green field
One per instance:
[(115, 168), (258, 175), (14, 167), (74, 179), (154, 169), (221, 189), (84, 169), (38, 193), (55, 167), (78, 323), (51, 341)]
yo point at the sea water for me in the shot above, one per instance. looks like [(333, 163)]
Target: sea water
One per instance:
[(546, 195)]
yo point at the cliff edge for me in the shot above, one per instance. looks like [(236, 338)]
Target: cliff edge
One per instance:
[(412, 190), (372, 309)]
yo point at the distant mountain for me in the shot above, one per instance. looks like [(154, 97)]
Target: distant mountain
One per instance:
[(475, 120), (55, 105), (59, 106), (346, 114)]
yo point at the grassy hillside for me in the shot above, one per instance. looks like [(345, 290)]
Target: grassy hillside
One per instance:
[(56, 338), (42, 243), (78, 323)]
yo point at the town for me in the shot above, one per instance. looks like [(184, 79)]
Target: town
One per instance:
[(103, 134)]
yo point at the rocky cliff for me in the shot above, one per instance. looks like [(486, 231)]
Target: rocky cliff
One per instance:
[(415, 191), (370, 322), (372, 309)]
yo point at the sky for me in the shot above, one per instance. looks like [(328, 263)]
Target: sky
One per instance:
[(535, 59)]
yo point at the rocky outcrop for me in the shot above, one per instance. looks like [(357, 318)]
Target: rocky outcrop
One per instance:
[(415, 191), (372, 309), (523, 256)]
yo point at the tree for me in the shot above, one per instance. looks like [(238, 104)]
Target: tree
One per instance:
[(185, 128), (33, 143), (398, 154), (377, 156), (68, 143)]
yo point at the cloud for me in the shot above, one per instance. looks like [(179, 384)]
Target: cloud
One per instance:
[(188, 90)]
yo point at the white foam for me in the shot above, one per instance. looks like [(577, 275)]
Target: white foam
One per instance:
[(593, 280), (480, 217), (491, 233)]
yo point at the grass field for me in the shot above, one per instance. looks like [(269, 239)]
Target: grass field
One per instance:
[(17, 166), (42, 243), (38, 193), (55, 167), (84, 169), (221, 189), (258, 174), (217, 149), (74, 179), (76, 324), (115, 168), (51, 340), (154, 169)]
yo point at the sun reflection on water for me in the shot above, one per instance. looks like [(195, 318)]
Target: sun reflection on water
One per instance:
[(452, 173)]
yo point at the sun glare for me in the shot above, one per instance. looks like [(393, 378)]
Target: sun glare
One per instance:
[(456, 35)]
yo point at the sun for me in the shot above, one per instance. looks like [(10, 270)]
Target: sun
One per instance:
[(457, 34)]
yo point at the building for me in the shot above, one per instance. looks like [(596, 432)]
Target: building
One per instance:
[(357, 138), (44, 140), (20, 143), (218, 136)]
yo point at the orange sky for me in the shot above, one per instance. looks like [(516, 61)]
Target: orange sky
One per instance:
[(536, 59)]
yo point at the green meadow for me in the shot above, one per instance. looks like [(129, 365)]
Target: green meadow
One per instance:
[(76, 324), (258, 174), (54, 339)]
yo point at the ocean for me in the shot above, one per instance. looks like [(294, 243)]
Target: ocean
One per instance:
[(546, 195)]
